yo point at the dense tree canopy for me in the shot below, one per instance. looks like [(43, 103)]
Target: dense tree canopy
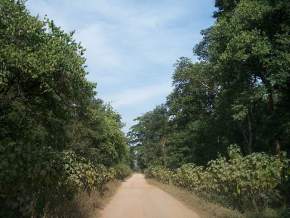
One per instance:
[(58, 138), (149, 137), (236, 96), (238, 91), (52, 127)]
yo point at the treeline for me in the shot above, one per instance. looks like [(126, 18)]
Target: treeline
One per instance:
[(56, 138), (237, 93)]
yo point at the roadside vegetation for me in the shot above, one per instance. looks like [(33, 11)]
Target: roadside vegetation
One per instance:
[(85, 204), (223, 132), (245, 183), (204, 208), (58, 141)]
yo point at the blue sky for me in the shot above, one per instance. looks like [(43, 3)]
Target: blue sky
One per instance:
[(131, 45)]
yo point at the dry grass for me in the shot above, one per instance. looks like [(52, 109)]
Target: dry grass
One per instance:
[(85, 205), (111, 189), (203, 208)]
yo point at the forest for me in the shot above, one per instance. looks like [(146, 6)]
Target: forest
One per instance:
[(224, 131), (56, 137)]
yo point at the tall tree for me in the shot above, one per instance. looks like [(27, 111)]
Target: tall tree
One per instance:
[(238, 91), (249, 48), (149, 136), (51, 123)]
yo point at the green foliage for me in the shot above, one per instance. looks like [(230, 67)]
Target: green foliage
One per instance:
[(244, 182), (47, 179), (237, 93), (56, 138), (160, 173), (122, 171), (150, 133)]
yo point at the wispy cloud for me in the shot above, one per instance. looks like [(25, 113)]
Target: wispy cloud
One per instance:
[(133, 97), (131, 45)]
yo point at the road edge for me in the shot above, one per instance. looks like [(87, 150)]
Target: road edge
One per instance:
[(203, 208)]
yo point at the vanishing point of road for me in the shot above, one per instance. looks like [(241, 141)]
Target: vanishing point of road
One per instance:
[(138, 199)]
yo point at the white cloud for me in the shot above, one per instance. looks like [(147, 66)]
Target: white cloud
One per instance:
[(129, 43), (133, 97), (100, 52), (121, 36)]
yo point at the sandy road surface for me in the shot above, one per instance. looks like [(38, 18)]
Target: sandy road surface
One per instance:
[(137, 199)]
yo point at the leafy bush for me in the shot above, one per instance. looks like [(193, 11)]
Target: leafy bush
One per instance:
[(122, 171), (239, 181), (160, 173), (56, 138), (46, 179)]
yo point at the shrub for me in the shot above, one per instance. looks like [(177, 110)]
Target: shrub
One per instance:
[(45, 179), (238, 181), (160, 173), (122, 171)]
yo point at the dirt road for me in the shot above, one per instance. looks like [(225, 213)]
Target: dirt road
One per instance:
[(137, 199)]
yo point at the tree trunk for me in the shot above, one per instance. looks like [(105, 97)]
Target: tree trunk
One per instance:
[(250, 135), (269, 87), (251, 129), (278, 146)]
